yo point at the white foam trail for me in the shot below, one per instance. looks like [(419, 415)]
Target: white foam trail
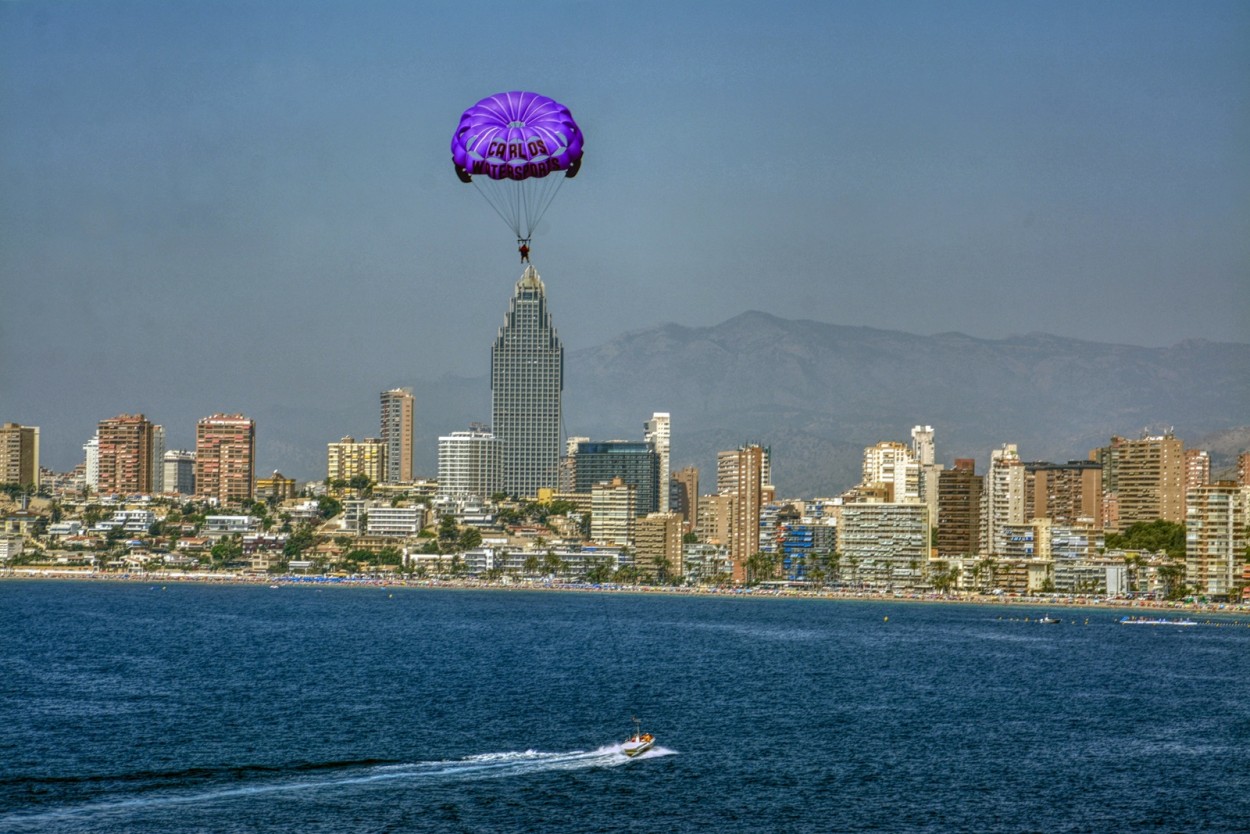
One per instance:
[(480, 766)]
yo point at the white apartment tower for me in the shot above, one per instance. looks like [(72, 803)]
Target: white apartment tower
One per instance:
[(469, 464), (1002, 499), (892, 464), (657, 431)]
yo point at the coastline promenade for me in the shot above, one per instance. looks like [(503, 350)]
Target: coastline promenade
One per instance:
[(1064, 601)]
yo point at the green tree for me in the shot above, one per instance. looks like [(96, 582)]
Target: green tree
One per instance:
[(299, 541), (1155, 536), (226, 550), (552, 562), (470, 538), (328, 507), (448, 533), (532, 564), (760, 567)]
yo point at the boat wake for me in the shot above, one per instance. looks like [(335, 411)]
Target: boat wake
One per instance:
[(252, 782)]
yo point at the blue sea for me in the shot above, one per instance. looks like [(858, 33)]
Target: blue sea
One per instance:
[(131, 707)]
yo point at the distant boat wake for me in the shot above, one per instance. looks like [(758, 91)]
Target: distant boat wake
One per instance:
[(316, 777)]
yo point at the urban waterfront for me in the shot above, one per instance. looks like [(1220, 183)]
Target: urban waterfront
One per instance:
[(178, 707)]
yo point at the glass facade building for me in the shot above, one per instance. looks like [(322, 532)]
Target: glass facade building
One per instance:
[(526, 381)]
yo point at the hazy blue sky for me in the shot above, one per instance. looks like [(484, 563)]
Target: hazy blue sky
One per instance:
[(251, 206)]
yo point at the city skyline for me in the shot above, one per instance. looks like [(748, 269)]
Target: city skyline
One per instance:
[(900, 166)]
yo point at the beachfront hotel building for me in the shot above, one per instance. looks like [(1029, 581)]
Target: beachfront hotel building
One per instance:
[(658, 432), (470, 464), (888, 543), (1216, 523), (225, 458), (19, 454), (350, 458), (125, 455), (526, 383), (397, 423)]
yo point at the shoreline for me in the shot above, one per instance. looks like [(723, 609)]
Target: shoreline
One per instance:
[(1055, 601)]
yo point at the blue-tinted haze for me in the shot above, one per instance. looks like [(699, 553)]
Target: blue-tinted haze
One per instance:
[(250, 206)]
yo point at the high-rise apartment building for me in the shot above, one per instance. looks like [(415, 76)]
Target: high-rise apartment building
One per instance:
[(470, 464), (19, 454), (350, 458), (684, 495), (925, 453), (1197, 468), (1002, 499), (748, 502), (398, 418), (1144, 478), (657, 546), (727, 469), (1243, 469), (959, 510), (157, 459), (658, 432), (613, 508), (635, 462), (1216, 538), (1066, 493), (225, 458), (526, 381), (179, 465), (125, 455), (892, 464), (91, 463)]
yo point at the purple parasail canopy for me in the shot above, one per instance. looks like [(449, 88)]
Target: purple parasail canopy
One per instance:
[(516, 136)]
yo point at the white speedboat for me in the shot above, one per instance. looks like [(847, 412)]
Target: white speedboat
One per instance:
[(638, 743)]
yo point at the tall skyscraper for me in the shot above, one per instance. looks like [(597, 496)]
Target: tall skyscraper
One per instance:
[(19, 454), (125, 455), (526, 381), (398, 417), (658, 432), (225, 458)]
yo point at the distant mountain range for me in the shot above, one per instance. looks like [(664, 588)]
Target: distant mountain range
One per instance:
[(818, 393)]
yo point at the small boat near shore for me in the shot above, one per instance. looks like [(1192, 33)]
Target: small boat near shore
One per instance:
[(1155, 621), (639, 742), (1049, 620)]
